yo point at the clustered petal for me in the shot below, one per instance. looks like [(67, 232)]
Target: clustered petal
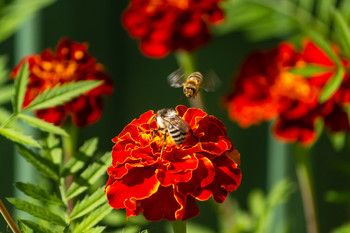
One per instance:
[(267, 89), (166, 185), (69, 63), (169, 25)]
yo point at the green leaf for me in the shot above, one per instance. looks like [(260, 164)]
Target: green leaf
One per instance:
[(61, 94), (332, 85), (95, 230), (343, 26), (6, 94), (43, 125), (21, 82), (308, 70), (38, 193), (18, 136), (85, 153), (4, 73), (345, 228), (52, 149), (338, 140), (36, 227), (21, 227), (46, 167), (15, 13), (37, 211), (323, 9), (89, 175), (338, 197), (257, 202), (4, 115), (89, 203), (94, 218)]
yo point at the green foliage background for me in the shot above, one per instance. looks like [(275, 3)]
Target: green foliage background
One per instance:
[(140, 85)]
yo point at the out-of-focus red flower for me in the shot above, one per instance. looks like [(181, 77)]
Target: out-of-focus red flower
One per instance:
[(167, 185), (70, 63), (168, 25), (265, 89)]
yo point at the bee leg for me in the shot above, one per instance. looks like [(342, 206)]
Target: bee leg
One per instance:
[(154, 133), (193, 134), (164, 139)]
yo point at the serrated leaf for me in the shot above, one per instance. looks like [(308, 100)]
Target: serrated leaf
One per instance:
[(37, 211), (89, 203), (308, 70), (36, 227), (6, 94), (95, 230), (16, 12), (38, 193), (44, 166), (344, 29), (22, 227), (18, 136), (94, 218), (85, 153), (61, 94), (332, 85), (43, 125), (89, 175), (20, 86), (52, 149)]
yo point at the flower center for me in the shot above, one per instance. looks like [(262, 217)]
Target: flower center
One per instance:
[(154, 4), (54, 72), (292, 86)]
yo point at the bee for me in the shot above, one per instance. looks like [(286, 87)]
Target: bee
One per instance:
[(169, 121), (193, 83)]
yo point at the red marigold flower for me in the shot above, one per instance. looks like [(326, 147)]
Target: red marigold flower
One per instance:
[(70, 63), (168, 25), (266, 89), (166, 185)]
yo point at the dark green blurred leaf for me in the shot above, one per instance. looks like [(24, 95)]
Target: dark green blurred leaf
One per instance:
[(37, 211), (4, 73), (88, 204), (94, 218), (20, 87), (338, 196), (61, 94), (308, 70), (332, 85), (18, 136), (43, 125), (46, 167), (15, 13), (86, 151), (323, 9), (36, 227), (89, 175), (38, 193)]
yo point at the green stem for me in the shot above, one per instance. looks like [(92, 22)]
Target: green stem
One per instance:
[(304, 174), (187, 61), (179, 226), (69, 147), (8, 218)]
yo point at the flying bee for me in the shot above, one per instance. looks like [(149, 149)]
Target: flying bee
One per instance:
[(169, 121), (193, 83)]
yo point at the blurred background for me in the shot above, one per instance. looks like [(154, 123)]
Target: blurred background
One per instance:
[(140, 84)]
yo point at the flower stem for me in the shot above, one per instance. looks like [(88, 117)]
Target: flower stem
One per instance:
[(187, 61), (304, 174), (69, 146), (8, 218), (179, 226)]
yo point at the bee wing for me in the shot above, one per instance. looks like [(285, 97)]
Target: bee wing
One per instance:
[(211, 81), (176, 78), (179, 123)]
